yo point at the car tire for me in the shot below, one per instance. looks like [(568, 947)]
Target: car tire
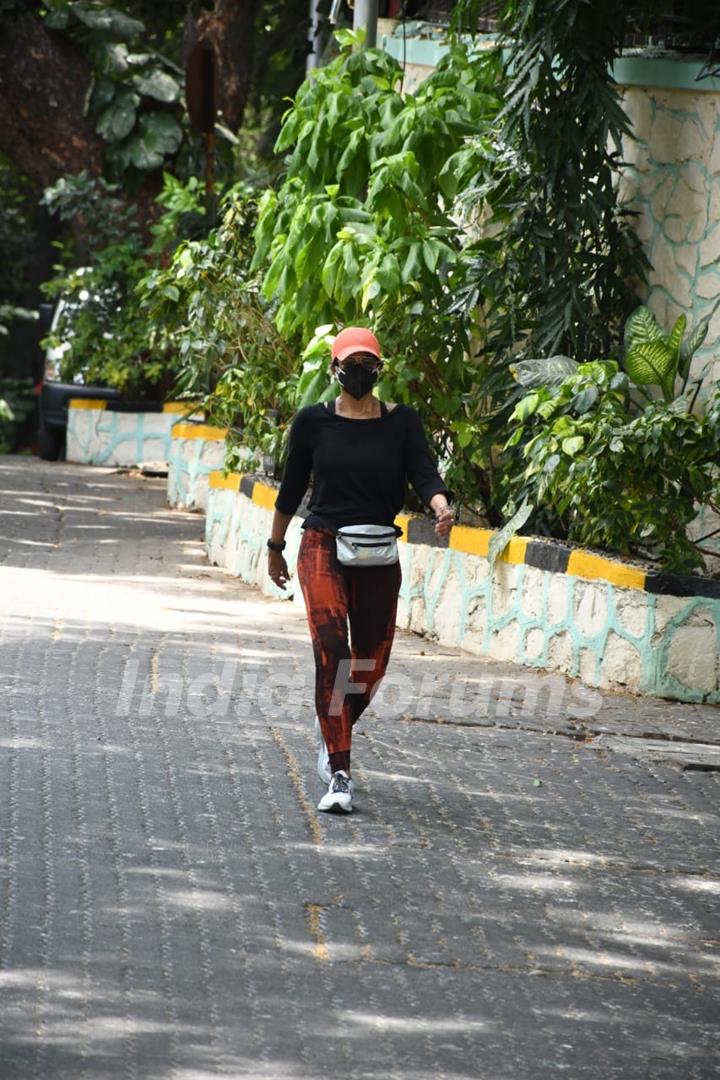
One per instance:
[(49, 443)]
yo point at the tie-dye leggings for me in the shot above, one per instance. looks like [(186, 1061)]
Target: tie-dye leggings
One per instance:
[(366, 597)]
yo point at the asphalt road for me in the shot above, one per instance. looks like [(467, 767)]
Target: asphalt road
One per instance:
[(509, 900)]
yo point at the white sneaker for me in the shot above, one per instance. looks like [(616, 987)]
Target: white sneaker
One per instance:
[(323, 760), (338, 798)]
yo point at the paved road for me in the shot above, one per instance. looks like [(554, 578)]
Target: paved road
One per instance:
[(507, 902)]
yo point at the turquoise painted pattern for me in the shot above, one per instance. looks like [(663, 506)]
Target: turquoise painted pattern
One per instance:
[(672, 182), (137, 442), (652, 645), (235, 533), (187, 469)]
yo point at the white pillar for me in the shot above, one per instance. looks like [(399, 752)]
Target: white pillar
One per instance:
[(315, 37), (365, 14)]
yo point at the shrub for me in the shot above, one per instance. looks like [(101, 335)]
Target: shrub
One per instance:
[(597, 474), (206, 308), (361, 232), (103, 330), (17, 401)]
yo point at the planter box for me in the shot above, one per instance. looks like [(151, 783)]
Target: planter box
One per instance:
[(545, 605), (100, 432)]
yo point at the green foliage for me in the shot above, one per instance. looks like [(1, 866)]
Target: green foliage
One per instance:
[(206, 308), (17, 234), (652, 357), (97, 206), (556, 263), (657, 359), (184, 216), (134, 97), (280, 46), (103, 330), (468, 231), (601, 476), (542, 371), (8, 312), (465, 14), (360, 232), (17, 401)]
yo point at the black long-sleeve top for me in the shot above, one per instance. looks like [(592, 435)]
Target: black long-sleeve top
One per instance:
[(359, 467)]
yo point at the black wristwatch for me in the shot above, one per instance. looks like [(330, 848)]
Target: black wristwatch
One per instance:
[(275, 546)]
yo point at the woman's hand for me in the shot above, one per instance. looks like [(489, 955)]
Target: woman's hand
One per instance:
[(444, 520), (277, 568)]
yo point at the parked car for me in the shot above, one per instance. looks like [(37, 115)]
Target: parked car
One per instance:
[(55, 395)]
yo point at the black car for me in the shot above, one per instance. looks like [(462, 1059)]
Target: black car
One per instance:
[(54, 398)]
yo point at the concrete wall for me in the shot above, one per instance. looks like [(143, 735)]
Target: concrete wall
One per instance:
[(196, 449), (673, 181), (607, 623), (96, 435)]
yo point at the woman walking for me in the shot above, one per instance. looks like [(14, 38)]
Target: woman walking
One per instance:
[(360, 453)]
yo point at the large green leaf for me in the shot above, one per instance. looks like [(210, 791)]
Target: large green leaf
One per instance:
[(651, 363), (572, 445), (388, 274), (159, 85), (586, 399), (543, 371), (351, 149), (119, 119), (310, 386), (676, 335), (502, 538), (112, 59), (641, 328), (102, 92), (115, 24), (691, 345), (57, 18), (159, 134)]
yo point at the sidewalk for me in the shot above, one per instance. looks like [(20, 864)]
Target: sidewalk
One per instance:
[(529, 887)]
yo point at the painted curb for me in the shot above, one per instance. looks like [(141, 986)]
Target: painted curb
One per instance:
[(550, 555), (112, 405), (187, 430)]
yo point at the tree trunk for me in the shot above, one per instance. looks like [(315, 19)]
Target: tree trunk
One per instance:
[(229, 30), (44, 77)]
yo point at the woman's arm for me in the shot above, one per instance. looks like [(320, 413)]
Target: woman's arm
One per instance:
[(425, 478), (298, 466), (277, 567), (296, 475), (444, 517)]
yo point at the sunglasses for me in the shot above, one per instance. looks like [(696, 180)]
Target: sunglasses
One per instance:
[(364, 360)]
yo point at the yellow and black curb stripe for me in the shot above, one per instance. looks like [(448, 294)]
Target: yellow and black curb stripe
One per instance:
[(116, 405), (550, 555), (187, 430), (87, 403)]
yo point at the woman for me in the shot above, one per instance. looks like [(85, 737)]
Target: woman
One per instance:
[(360, 453)]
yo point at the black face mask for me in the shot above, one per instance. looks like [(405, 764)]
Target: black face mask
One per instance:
[(357, 380)]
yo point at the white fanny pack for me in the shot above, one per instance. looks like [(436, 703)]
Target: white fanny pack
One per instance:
[(367, 545)]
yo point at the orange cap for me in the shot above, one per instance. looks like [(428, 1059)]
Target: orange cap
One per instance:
[(355, 339)]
